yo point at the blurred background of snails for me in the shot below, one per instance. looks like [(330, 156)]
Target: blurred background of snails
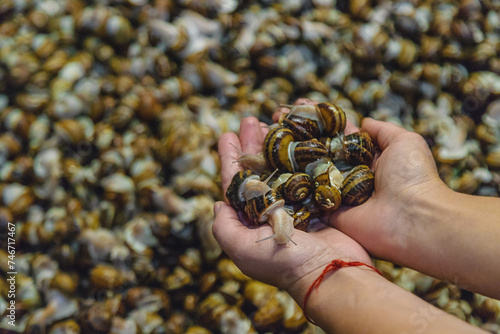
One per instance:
[(109, 115)]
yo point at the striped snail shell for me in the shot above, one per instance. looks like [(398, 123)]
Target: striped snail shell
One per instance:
[(303, 127), (359, 148), (261, 204), (301, 218), (334, 119), (283, 153), (358, 185), (313, 121), (303, 153), (294, 187), (258, 206), (327, 183), (276, 146), (235, 191)]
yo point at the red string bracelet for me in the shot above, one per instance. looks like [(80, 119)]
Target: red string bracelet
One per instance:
[(332, 266)]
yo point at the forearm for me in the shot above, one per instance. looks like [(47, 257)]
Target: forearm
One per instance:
[(455, 237), (358, 300)]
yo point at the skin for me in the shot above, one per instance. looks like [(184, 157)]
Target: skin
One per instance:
[(411, 219)]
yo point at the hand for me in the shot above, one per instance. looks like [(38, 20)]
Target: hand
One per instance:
[(404, 172), (290, 267)]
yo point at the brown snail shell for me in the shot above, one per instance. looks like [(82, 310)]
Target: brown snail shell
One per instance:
[(303, 127), (303, 153), (328, 198), (323, 119), (104, 276), (334, 118), (327, 183), (276, 149), (69, 326), (294, 187), (358, 185), (234, 193), (301, 219), (359, 148), (257, 208)]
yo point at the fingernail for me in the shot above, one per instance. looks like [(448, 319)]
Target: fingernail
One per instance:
[(217, 207)]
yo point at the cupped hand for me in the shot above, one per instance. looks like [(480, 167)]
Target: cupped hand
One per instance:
[(291, 267), (404, 172)]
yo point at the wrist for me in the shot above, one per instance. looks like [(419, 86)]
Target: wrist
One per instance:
[(322, 299), (416, 213)]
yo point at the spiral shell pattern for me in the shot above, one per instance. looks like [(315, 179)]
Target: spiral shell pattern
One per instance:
[(256, 208), (358, 185), (296, 188), (276, 146), (303, 128), (305, 152), (334, 118), (234, 193), (301, 219), (359, 148)]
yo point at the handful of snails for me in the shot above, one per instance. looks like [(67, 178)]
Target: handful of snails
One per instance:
[(307, 169)]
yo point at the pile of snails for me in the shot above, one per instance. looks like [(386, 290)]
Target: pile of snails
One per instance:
[(307, 169)]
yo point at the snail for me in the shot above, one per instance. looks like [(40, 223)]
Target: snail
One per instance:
[(262, 204), (327, 182), (301, 218), (294, 187), (350, 150), (308, 147), (314, 121), (358, 185), (283, 153)]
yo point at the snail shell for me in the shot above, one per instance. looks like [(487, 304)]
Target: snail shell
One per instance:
[(301, 218), (303, 127), (327, 183), (313, 121), (261, 203), (358, 185), (283, 153), (234, 193), (276, 146), (293, 187), (303, 153), (359, 148), (334, 118)]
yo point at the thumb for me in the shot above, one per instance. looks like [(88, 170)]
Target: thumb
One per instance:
[(227, 226)]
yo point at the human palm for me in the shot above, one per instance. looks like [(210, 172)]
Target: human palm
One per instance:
[(280, 265), (404, 170)]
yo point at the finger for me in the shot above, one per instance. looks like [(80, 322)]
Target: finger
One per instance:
[(348, 219), (251, 135), (382, 133), (226, 224), (279, 112), (350, 128), (264, 128), (228, 155), (305, 101), (233, 236)]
